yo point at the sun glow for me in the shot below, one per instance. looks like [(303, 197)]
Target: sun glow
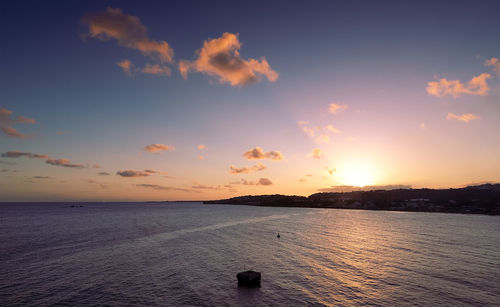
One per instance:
[(357, 174)]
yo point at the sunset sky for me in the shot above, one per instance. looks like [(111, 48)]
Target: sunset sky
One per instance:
[(192, 100)]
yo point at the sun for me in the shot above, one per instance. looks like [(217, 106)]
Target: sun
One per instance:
[(358, 174), (358, 178)]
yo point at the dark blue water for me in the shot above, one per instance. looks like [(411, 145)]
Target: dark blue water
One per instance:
[(189, 254)]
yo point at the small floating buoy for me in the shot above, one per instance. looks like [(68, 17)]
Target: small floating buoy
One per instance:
[(279, 235), (248, 279)]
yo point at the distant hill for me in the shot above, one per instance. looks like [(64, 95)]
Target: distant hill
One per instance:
[(479, 199)]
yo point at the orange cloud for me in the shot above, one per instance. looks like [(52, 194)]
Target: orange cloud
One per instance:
[(316, 153), (126, 66), (464, 117), (158, 147), (156, 70), (330, 170), (246, 170), (258, 154), (476, 86), (332, 129), (63, 163), (335, 108), (495, 62), (220, 58), (128, 31), (201, 158), (201, 147)]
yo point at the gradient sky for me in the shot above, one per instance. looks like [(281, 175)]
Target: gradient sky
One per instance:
[(318, 94)]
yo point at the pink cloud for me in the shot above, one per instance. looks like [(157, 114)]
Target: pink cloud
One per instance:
[(335, 108), (220, 58), (495, 63), (6, 123), (63, 163), (132, 173)]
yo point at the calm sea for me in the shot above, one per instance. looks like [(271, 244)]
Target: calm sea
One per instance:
[(178, 254)]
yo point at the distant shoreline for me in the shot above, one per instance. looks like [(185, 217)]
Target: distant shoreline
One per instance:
[(481, 199)]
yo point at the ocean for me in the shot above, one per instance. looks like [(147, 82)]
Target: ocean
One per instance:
[(177, 254)]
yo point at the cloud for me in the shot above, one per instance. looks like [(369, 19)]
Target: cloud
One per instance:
[(6, 123), (335, 108), (158, 147), (262, 181), (316, 153), (104, 173), (246, 170), (464, 117), (201, 147), (128, 31), (163, 188), (205, 187), (258, 154), (302, 180), (422, 126), (265, 181), (126, 66), (156, 69), (63, 163), (91, 181), (201, 158), (495, 63), (321, 134), (18, 154), (12, 132), (348, 188), (220, 58), (476, 86), (332, 129), (41, 177), (132, 173), (330, 170)]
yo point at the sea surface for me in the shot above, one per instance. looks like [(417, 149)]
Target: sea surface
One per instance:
[(175, 254)]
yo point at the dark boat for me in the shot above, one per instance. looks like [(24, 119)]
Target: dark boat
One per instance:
[(248, 279)]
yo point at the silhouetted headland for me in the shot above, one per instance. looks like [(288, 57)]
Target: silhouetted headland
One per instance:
[(479, 199)]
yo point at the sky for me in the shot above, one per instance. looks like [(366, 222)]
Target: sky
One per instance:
[(196, 100)]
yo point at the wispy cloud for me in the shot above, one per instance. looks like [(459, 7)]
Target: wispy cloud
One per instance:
[(318, 133), (6, 123), (156, 69), (335, 108), (495, 63), (246, 170), (64, 163), (201, 147), (91, 181), (19, 154), (158, 148), (104, 173), (41, 177), (262, 181), (220, 58), (478, 85), (128, 31), (258, 154), (164, 188), (464, 117), (330, 170), (133, 173)]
